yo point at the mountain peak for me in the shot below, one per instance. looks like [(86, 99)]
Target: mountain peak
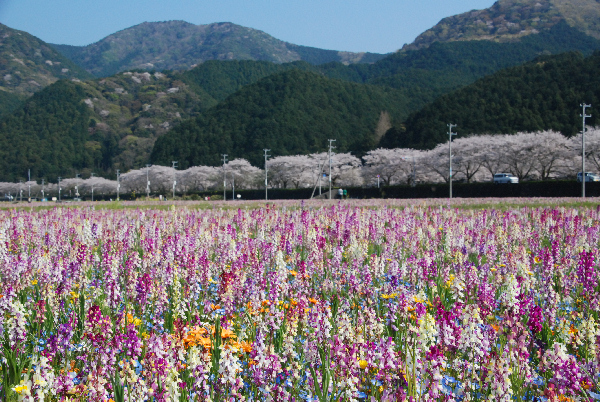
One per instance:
[(508, 20), (180, 45)]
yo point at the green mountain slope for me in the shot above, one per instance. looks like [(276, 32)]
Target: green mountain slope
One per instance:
[(508, 20), (178, 45), (28, 64), (9, 102), (98, 125), (293, 112), (540, 95), (47, 135), (423, 74), (222, 78)]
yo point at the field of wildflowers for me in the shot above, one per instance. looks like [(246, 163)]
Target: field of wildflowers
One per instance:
[(290, 302)]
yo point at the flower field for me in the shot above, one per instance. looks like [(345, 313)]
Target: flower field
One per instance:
[(290, 302)]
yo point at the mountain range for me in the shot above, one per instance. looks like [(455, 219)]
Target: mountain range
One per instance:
[(222, 88), (509, 20), (179, 45)]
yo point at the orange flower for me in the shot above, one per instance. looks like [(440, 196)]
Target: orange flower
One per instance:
[(496, 327), (227, 333), (293, 273), (246, 346), (313, 301), (195, 337)]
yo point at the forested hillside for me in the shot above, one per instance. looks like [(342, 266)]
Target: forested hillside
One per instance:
[(507, 20), (293, 112), (28, 64), (49, 136), (541, 95), (120, 117)]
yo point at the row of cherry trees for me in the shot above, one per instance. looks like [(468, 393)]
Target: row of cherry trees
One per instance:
[(542, 155)]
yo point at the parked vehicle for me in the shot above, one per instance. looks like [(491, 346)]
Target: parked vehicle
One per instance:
[(588, 177), (505, 178)]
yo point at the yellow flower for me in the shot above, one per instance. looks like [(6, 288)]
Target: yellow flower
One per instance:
[(20, 388), (363, 364), (137, 322), (537, 259), (34, 282)]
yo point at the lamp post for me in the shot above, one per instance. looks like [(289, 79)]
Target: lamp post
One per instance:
[(583, 116), (59, 188), (450, 134)]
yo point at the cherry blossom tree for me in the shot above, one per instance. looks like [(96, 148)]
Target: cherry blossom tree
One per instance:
[(342, 167), (392, 165), (242, 174), (198, 178), (160, 177), (296, 170)]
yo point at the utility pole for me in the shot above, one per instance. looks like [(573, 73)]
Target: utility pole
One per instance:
[(43, 189), (148, 181), (174, 178), (118, 184), (450, 134), (59, 188), (266, 176), (330, 148), (583, 177), (77, 176), (20, 191), (224, 177), (29, 184), (92, 177), (233, 186)]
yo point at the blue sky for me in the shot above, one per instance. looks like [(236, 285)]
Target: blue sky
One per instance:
[(352, 25)]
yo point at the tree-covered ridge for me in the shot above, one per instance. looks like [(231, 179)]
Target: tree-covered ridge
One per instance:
[(540, 95), (222, 78), (178, 45), (293, 112), (9, 102), (120, 117), (508, 20), (27, 64), (49, 135)]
